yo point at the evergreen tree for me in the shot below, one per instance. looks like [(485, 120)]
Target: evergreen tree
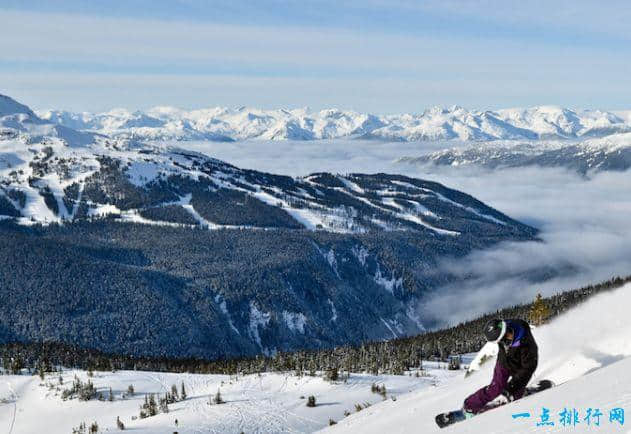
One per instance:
[(183, 392), (332, 374), (539, 312), (218, 398), (94, 428), (164, 404), (17, 364), (174, 394), (153, 406), (395, 356), (80, 429), (144, 408)]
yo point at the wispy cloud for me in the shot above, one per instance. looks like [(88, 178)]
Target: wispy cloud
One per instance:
[(584, 227), (390, 67)]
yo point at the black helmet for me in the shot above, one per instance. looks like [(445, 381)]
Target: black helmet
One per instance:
[(494, 330)]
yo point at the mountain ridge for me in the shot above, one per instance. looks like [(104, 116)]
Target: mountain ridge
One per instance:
[(50, 173), (120, 245), (609, 153), (436, 123)]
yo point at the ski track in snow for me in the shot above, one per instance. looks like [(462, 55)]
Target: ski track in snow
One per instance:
[(15, 407), (41, 160), (269, 403)]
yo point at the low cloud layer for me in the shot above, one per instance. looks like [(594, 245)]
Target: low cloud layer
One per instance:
[(584, 222), (584, 226)]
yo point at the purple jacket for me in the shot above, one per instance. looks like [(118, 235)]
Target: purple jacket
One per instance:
[(514, 368)]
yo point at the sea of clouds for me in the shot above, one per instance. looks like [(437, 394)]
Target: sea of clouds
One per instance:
[(584, 220)]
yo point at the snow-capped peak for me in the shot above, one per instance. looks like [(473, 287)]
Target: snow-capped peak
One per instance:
[(435, 123), (9, 106)]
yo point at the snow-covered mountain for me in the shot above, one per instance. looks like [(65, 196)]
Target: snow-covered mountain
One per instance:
[(612, 152), (52, 173), (455, 123), (590, 366), (242, 261)]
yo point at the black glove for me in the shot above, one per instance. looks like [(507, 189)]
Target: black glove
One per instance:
[(508, 395), (511, 387)]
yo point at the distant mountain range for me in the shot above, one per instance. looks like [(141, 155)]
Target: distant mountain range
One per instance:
[(612, 153), (52, 173), (455, 123), (158, 250)]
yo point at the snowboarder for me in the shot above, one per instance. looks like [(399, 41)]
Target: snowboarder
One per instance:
[(516, 362)]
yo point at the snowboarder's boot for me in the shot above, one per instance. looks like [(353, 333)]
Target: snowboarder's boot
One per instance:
[(445, 419), (539, 387)]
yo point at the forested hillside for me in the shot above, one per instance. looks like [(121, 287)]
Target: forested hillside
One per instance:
[(391, 356), (186, 291), (126, 247)]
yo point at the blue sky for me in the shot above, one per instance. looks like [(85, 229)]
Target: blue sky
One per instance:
[(373, 55)]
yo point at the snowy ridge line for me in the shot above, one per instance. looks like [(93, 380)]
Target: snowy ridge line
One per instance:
[(53, 174), (454, 123), (612, 152), (468, 208), (406, 216)]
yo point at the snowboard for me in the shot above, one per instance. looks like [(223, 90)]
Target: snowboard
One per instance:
[(449, 418)]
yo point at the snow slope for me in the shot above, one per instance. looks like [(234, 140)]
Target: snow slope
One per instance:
[(612, 152), (586, 352), (455, 123), (47, 172), (54, 174), (269, 403)]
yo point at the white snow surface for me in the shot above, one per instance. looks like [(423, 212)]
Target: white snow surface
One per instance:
[(295, 321), (270, 403), (589, 153), (258, 319), (586, 352), (61, 159), (388, 284), (454, 123)]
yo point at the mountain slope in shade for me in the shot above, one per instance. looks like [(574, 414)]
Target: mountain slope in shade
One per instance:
[(455, 123), (158, 250), (592, 371)]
